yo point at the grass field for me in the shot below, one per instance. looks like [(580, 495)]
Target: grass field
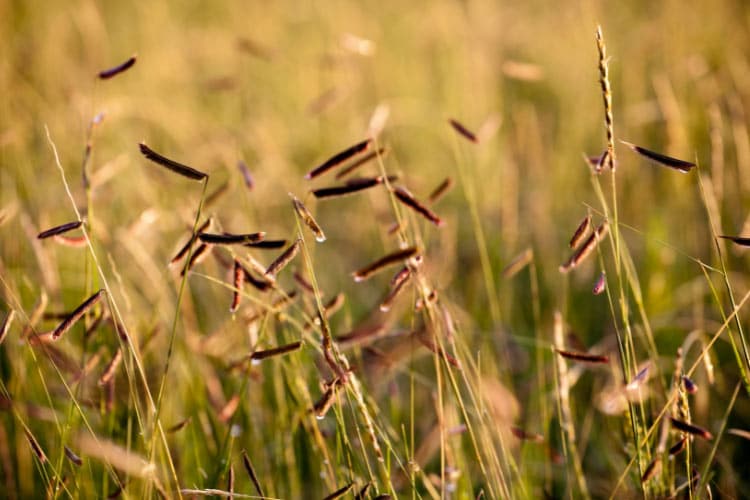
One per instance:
[(323, 381)]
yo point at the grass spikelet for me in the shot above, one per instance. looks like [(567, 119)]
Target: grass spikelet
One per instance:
[(402, 275), (70, 241), (186, 247), (246, 175), (582, 357), (276, 351), (692, 429), (740, 433), (35, 446), (239, 279), (62, 228), (333, 305), (340, 492), (321, 407), (585, 249), (172, 165), (284, 259), (385, 306), (231, 239), (519, 262), (362, 493), (441, 190), (76, 315), (120, 458), (580, 232), (352, 186), (116, 70), (226, 412), (739, 240), (405, 197), (5, 327), (653, 469), (251, 472), (259, 284), (658, 158), (200, 253), (690, 386), (383, 262), (465, 132), (267, 244), (678, 447), (607, 97), (640, 378), (75, 459), (339, 158), (109, 371), (304, 214), (523, 435), (600, 285), (381, 152), (230, 482), (178, 426)]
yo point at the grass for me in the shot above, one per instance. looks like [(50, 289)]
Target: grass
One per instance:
[(456, 390)]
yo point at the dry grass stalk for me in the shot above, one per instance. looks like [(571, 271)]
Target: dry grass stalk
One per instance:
[(116, 70), (465, 132), (586, 248), (115, 455), (239, 279), (283, 260), (308, 219), (340, 492), (76, 315), (231, 239), (246, 175), (580, 232), (172, 165), (339, 158), (667, 161), (361, 161), (405, 197), (607, 97), (519, 262), (184, 250), (251, 472), (385, 261), (109, 371), (5, 327), (276, 351), (62, 228), (441, 190)]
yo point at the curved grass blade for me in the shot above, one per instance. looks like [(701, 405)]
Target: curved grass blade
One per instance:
[(172, 165)]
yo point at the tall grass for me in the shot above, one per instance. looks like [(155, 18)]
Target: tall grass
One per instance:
[(458, 388)]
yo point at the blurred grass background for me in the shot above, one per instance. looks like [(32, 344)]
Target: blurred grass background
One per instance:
[(284, 85)]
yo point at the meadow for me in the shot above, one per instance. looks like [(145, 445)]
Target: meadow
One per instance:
[(323, 249)]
